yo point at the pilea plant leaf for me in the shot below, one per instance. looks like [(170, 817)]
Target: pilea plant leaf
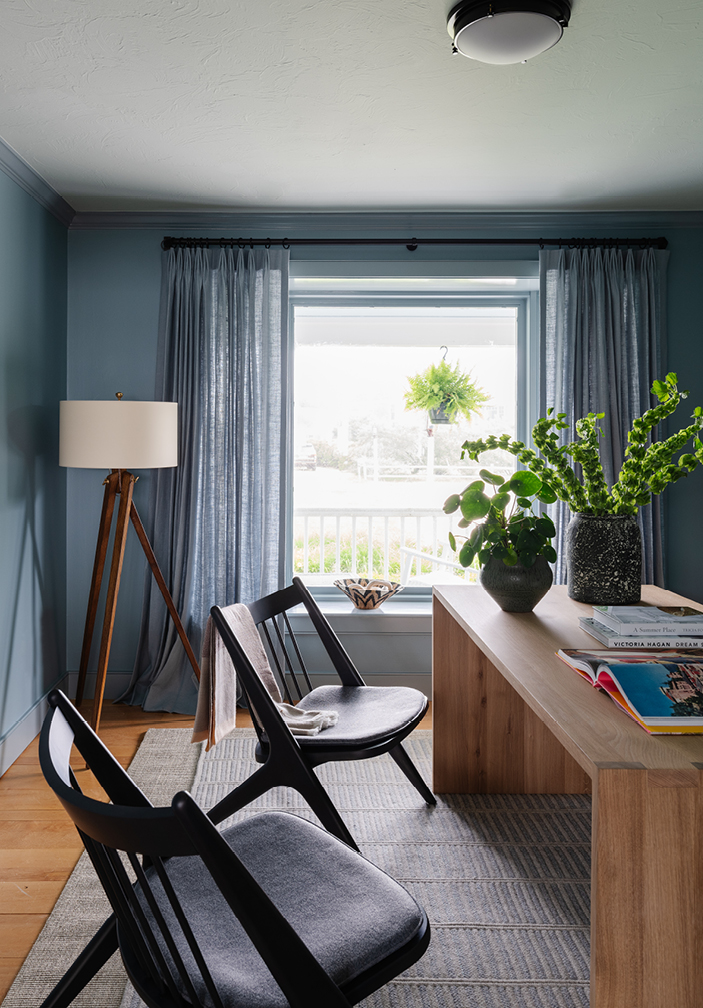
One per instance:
[(492, 478), (451, 504), (545, 526), (524, 483), (502, 525), (466, 555), (546, 494), (474, 504)]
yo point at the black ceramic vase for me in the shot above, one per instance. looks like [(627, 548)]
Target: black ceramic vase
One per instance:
[(517, 588), (604, 559)]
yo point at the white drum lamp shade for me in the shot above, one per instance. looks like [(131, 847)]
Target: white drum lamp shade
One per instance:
[(111, 434)]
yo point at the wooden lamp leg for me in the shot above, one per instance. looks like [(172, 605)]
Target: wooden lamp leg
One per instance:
[(111, 489), (163, 588), (118, 482), (127, 482)]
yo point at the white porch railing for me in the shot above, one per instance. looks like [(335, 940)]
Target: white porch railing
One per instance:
[(329, 542)]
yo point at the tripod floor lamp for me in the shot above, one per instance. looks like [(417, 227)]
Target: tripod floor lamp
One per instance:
[(119, 436)]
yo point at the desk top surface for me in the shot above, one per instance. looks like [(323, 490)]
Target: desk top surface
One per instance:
[(523, 647)]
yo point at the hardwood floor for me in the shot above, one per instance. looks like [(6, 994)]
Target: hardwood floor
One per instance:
[(39, 846)]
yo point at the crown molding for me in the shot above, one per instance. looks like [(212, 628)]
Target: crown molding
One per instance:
[(364, 223), (20, 172)]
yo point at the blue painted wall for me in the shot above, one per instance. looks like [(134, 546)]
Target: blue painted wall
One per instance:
[(32, 486), (114, 286), (684, 500), (114, 283)]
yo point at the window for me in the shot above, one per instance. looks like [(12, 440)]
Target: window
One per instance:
[(370, 476)]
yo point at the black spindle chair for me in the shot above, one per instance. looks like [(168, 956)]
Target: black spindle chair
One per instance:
[(372, 719), (273, 912)]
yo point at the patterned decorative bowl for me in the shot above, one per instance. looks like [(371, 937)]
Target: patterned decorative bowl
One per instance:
[(368, 593)]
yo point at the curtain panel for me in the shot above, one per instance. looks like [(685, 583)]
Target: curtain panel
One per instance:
[(602, 336), (217, 520)]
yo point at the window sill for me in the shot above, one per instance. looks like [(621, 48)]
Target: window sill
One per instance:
[(394, 616)]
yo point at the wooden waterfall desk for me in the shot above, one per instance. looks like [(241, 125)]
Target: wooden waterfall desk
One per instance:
[(510, 717)]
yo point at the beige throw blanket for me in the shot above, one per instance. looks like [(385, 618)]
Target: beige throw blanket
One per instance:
[(217, 695)]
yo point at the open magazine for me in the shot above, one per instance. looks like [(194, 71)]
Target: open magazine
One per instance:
[(661, 690)]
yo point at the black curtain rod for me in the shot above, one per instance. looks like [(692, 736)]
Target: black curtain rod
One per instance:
[(413, 243)]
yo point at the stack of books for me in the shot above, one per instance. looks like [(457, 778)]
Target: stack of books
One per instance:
[(645, 626)]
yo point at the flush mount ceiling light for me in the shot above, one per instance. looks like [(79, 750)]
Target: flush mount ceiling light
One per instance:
[(507, 31)]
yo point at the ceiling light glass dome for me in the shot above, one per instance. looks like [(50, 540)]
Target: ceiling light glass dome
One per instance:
[(507, 32)]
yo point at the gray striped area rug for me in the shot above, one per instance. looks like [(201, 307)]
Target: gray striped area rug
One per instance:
[(504, 879)]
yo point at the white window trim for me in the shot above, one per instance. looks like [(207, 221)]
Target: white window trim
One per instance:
[(526, 300)]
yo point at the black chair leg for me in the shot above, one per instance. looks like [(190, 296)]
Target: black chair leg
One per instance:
[(244, 794), (303, 780), (323, 807), (94, 956), (412, 773)]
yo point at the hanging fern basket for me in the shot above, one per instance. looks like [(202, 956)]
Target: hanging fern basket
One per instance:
[(438, 416), (445, 392)]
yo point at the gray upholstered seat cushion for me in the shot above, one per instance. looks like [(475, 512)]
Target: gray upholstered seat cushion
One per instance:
[(349, 913), (366, 713)]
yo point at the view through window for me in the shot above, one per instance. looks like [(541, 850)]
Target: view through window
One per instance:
[(370, 475)]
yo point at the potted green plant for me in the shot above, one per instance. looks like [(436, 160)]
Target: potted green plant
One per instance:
[(511, 543), (603, 538), (445, 392)]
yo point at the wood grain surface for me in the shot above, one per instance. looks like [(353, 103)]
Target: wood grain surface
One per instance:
[(522, 647), (509, 716)]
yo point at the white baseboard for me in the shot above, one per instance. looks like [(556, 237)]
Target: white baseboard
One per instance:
[(24, 731)]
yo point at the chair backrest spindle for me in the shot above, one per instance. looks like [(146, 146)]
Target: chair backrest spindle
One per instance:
[(298, 654), (130, 914), (281, 678), (289, 667), (187, 932)]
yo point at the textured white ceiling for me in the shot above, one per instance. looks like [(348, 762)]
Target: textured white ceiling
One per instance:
[(350, 104)]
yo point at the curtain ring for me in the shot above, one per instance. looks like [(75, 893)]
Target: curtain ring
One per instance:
[(285, 243)]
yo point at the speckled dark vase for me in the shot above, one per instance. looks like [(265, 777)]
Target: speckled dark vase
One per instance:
[(604, 559), (518, 588)]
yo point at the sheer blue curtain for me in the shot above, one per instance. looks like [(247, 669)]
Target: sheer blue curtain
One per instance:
[(602, 322), (217, 520)]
